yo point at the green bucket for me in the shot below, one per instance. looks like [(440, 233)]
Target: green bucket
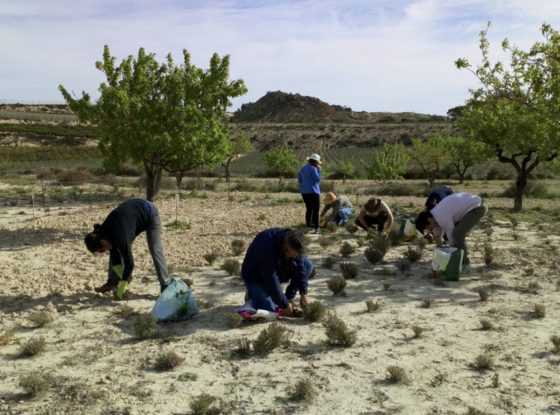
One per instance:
[(447, 262)]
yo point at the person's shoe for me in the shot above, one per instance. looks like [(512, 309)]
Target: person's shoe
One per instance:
[(316, 231), (105, 288)]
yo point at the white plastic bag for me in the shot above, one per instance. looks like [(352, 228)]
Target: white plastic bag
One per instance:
[(441, 258), (176, 302)]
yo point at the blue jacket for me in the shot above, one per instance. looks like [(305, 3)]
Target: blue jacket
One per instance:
[(309, 178), (437, 195), (263, 265)]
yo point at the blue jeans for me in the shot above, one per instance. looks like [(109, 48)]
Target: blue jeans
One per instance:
[(343, 216)]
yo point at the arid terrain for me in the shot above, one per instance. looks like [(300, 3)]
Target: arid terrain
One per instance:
[(94, 363)]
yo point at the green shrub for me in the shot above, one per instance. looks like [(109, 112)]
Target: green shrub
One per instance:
[(206, 405), (234, 320), (237, 247), (349, 270), (347, 249), (373, 255), (314, 311), (232, 266), (33, 347), (145, 327), (539, 311), (396, 374), (168, 361), (372, 306), (211, 257), (41, 318), (329, 262), (483, 362), (303, 391), (337, 284), (270, 338), (338, 333), (35, 383)]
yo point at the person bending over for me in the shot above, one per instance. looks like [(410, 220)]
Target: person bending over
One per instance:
[(376, 214), (116, 235), (309, 179), (274, 257), (341, 209)]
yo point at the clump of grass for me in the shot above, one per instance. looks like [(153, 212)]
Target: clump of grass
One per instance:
[(329, 262), (35, 384), (483, 362), (211, 257), (473, 411), (145, 327), (488, 254), (417, 332), (326, 241), (555, 344), (187, 377), (379, 242), (426, 302), (539, 311), (413, 254), (331, 227), (168, 361), (347, 249), (397, 375), (533, 287), (125, 311), (234, 320), (337, 284), (483, 294), (33, 347), (314, 312), (237, 247), (303, 391), (338, 333), (349, 270), (206, 404), (232, 266), (244, 349), (6, 337), (351, 228), (373, 255), (270, 338), (486, 325), (372, 306), (41, 318)]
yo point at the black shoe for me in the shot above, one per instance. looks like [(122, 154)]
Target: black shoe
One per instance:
[(105, 288)]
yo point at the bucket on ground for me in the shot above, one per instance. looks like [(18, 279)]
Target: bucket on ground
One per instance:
[(177, 302), (447, 262)]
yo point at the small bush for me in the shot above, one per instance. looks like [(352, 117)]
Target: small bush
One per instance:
[(338, 333), (211, 257), (234, 320), (413, 254), (533, 287), (486, 325), (35, 384), (329, 262), (349, 270), (351, 228), (347, 249), (373, 255), (337, 285), (488, 254), (539, 311), (483, 293), (396, 375), (426, 303), (483, 362), (372, 306), (244, 349), (206, 405), (314, 312), (379, 242), (168, 361), (33, 347), (303, 391), (145, 327), (232, 266), (6, 337), (41, 318), (417, 332), (270, 338), (237, 247), (325, 241), (555, 344)]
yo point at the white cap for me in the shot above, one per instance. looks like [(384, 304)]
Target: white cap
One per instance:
[(315, 157)]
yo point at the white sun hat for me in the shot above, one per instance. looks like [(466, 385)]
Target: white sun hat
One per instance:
[(315, 157)]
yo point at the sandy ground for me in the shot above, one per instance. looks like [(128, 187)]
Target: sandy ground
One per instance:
[(99, 368)]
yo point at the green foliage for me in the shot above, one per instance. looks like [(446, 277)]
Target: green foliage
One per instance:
[(347, 249), (303, 391), (388, 163), (464, 153), (338, 333), (515, 110), (206, 405), (270, 338), (344, 169), (145, 327), (281, 162), (161, 115), (232, 266), (35, 383), (234, 320), (168, 361), (349, 270), (237, 247), (396, 374), (314, 311), (33, 347), (337, 284), (432, 156)]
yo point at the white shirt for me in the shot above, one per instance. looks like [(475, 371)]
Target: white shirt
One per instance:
[(452, 209)]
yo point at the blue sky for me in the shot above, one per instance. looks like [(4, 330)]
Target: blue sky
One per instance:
[(373, 55)]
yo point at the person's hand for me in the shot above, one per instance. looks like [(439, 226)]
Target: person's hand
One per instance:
[(303, 301), (288, 311)]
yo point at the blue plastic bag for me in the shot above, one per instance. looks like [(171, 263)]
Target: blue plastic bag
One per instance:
[(177, 302)]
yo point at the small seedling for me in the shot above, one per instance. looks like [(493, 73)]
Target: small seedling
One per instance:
[(396, 375), (237, 247), (168, 361), (41, 318), (426, 303), (338, 333), (337, 285), (211, 257), (35, 384), (483, 362), (488, 254), (206, 405), (314, 312), (125, 311), (351, 228), (483, 293), (372, 306), (349, 270), (234, 320), (539, 311), (373, 255), (417, 332), (33, 347), (555, 344), (347, 249), (329, 262), (413, 254), (145, 327), (486, 325), (270, 338), (303, 391), (244, 349), (231, 266), (496, 380)]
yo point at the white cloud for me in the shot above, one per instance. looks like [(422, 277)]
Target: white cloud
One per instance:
[(382, 55)]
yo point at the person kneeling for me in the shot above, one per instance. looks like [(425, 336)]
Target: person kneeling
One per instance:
[(376, 213), (341, 208), (274, 257)]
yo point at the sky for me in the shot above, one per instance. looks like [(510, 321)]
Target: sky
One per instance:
[(370, 55)]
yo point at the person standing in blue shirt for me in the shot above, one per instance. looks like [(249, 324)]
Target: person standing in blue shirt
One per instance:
[(437, 195), (309, 179), (276, 256)]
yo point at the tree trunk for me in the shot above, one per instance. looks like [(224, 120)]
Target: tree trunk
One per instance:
[(227, 165), (520, 185), (153, 181)]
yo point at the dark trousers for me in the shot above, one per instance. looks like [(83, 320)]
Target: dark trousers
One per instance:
[(464, 227), (312, 206)]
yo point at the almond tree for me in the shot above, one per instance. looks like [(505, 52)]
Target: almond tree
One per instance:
[(516, 108), (464, 153), (431, 155)]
